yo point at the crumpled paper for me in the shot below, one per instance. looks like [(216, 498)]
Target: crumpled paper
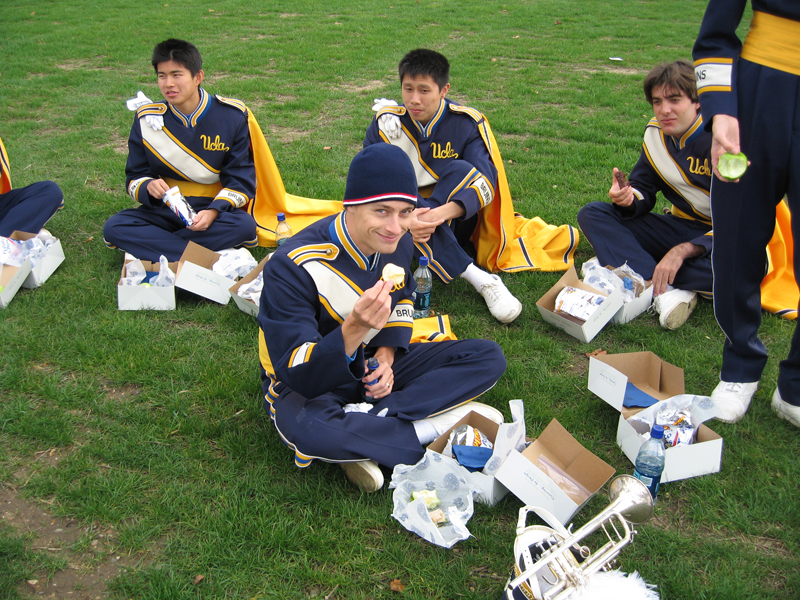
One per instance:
[(433, 472), (252, 291), (234, 263)]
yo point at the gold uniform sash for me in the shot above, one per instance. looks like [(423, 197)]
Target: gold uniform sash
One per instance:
[(779, 293), (5, 170), (271, 197)]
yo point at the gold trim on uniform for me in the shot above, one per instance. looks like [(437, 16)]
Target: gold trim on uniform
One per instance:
[(192, 188), (772, 42), (713, 74), (133, 186), (237, 199), (314, 252)]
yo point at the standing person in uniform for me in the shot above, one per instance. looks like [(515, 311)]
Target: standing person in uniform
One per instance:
[(750, 97), (325, 309), (27, 208), (454, 171), (670, 249), (193, 140)]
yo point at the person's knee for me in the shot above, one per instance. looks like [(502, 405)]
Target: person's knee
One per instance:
[(590, 214), (492, 356), (111, 229)]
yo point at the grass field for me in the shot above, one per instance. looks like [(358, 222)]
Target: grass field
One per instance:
[(142, 435)]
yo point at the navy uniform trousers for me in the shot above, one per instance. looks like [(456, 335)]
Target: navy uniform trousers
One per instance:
[(643, 241), (744, 221), (428, 379), (148, 232), (29, 208), (446, 257)]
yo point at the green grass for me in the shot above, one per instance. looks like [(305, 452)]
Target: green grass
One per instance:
[(157, 417)]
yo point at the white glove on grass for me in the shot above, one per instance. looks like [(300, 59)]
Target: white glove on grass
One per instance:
[(389, 123)]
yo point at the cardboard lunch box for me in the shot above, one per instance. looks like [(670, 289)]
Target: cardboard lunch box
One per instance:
[(491, 491), (141, 297), (610, 376), (11, 279), (46, 265), (523, 476), (583, 330), (631, 310), (244, 304), (194, 274)]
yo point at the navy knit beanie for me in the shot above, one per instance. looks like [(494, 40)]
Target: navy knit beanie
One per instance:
[(380, 172)]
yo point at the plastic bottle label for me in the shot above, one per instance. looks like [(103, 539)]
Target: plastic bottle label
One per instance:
[(422, 301)]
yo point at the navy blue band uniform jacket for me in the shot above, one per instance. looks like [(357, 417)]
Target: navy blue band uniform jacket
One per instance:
[(452, 134), (679, 168), (207, 154), (310, 286)]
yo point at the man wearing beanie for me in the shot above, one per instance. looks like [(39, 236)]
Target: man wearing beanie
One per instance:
[(325, 310)]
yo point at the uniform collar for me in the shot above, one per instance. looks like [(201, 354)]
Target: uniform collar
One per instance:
[(197, 114), (427, 130), (340, 236), (690, 135)]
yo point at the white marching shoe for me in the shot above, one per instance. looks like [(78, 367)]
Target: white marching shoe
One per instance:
[(674, 307), (502, 303), (733, 399), (787, 411), (366, 474), (444, 421)]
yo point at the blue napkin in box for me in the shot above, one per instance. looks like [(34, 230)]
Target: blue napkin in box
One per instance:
[(473, 458), (636, 398)]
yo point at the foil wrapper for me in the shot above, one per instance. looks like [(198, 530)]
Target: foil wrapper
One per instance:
[(467, 435)]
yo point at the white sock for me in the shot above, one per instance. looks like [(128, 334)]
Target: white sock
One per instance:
[(476, 277), (425, 430)]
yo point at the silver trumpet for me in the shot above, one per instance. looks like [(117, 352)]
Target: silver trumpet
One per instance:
[(552, 564)]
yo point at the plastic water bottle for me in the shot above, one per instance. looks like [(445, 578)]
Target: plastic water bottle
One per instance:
[(650, 460), (282, 232), (372, 364), (422, 297)]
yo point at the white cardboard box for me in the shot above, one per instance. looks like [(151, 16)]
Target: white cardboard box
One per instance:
[(11, 280), (583, 330), (46, 265), (521, 475), (194, 274), (140, 297), (245, 305), (608, 378), (635, 307), (491, 491)]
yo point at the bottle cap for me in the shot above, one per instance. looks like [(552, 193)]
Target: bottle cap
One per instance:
[(423, 261), (281, 217), (657, 432), (372, 363)]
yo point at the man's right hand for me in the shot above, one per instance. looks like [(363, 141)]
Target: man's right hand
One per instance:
[(371, 311), (620, 197), (157, 188), (422, 226), (725, 130)]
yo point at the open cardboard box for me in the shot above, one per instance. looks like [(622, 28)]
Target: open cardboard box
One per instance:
[(609, 376), (584, 331), (11, 279), (140, 297), (46, 265), (245, 305), (520, 473), (635, 307), (490, 490), (194, 274)]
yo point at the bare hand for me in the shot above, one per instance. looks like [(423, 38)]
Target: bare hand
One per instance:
[(371, 311), (620, 197), (665, 272), (383, 376), (423, 224), (157, 188), (725, 139), (204, 219)]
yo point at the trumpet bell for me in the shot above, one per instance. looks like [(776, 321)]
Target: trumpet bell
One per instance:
[(636, 503)]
